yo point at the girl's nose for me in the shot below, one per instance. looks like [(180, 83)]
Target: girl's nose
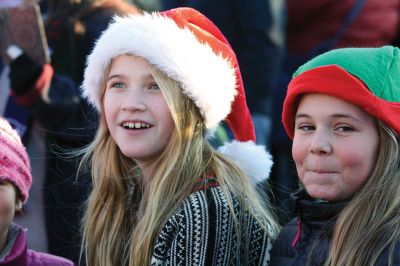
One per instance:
[(321, 142), (134, 101)]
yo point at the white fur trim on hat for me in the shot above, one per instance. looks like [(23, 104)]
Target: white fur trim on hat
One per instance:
[(208, 79), (253, 159)]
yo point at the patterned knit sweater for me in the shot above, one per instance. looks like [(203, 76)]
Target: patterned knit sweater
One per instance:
[(203, 232)]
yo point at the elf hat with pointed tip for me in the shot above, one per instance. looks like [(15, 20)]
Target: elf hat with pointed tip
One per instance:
[(191, 50), (366, 77)]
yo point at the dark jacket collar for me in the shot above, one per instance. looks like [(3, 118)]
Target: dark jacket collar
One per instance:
[(318, 215)]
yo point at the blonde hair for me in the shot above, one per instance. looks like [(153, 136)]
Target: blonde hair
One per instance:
[(122, 220), (370, 223)]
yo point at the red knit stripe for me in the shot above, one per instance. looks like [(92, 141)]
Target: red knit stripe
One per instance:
[(206, 182)]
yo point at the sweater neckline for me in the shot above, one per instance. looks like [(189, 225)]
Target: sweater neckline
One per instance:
[(206, 182)]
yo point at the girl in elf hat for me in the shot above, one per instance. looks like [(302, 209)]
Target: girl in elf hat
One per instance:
[(15, 181), (161, 194), (342, 111)]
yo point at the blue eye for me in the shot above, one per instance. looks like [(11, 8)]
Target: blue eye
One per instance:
[(154, 87), (118, 85)]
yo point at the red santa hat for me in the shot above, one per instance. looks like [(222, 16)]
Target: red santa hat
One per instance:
[(190, 49)]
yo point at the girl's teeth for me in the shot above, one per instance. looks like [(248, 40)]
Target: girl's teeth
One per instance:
[(137, 125)]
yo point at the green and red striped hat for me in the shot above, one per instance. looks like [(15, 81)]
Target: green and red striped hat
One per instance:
[(366, 77)]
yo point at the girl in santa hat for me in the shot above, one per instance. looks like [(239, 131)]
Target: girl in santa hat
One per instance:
[(162, 195), (342, 111)]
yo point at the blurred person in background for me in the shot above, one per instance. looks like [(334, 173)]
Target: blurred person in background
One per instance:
[(15, 182)]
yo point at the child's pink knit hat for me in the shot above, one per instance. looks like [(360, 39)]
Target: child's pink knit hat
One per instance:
[(14, 162)]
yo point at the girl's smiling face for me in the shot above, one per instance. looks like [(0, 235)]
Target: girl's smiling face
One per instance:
[(136, 112), (335, 146)]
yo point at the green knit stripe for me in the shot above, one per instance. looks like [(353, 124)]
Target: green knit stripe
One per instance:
[(378, 68)]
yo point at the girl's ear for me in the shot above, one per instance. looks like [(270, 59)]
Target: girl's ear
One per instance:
[(18, 205)]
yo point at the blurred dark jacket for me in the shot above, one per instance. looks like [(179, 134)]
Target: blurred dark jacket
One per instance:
[(306, 239)]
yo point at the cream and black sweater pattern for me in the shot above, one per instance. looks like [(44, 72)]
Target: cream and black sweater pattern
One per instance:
[(203, 232)]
